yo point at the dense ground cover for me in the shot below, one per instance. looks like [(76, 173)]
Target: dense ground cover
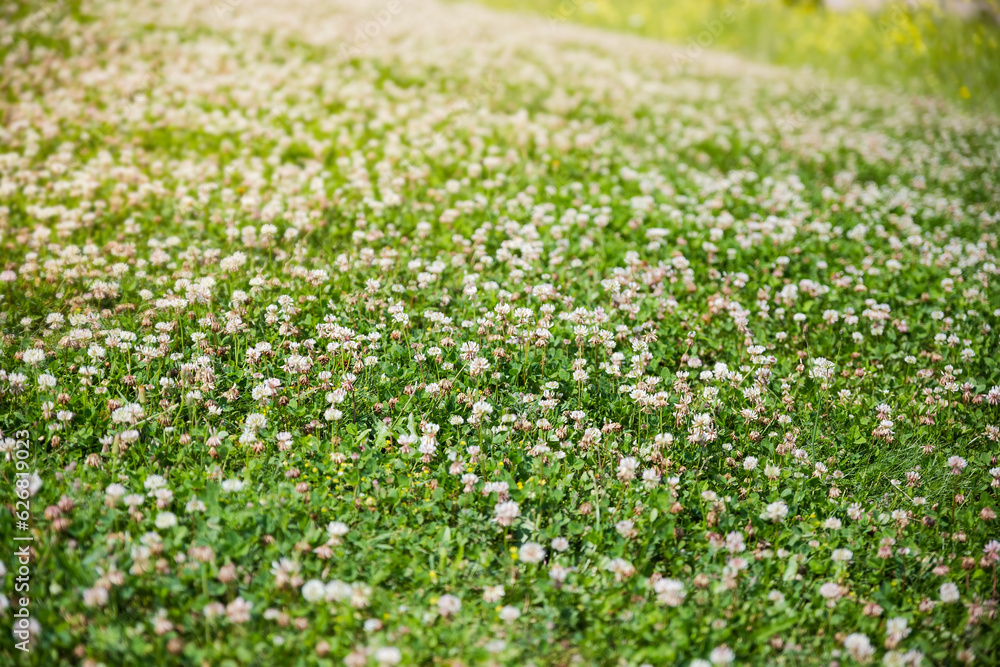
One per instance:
[(474, 340), (909, 45)]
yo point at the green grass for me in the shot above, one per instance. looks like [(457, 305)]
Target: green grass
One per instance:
[(912, 47), (726, 337)]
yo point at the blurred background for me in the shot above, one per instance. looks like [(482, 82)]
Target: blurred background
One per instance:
[(946, 48)]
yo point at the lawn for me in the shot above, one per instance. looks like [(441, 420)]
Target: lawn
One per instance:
[(428, 334)]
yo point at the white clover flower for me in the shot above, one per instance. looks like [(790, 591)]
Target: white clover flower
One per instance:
[(337, 528), (314, 590), (949, 593), (492, 594), (506, 512), (841, 555), (531, 552), (859, 647), (722, 655), (775, 511), (448, 605), (194, 505), (388, 655), (154, 482), (338, 591), (509, 614), (626, 468), (33, 356), (669, 592), (255, 421), (232, 485)]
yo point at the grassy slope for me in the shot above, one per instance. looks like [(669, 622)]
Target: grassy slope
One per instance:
[(673, 199), (906, 46)]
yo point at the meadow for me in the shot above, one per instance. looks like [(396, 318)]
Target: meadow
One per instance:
[(910, 46), (408, 332)]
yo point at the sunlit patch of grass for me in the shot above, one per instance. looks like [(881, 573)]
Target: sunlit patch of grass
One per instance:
[(918, 49)]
